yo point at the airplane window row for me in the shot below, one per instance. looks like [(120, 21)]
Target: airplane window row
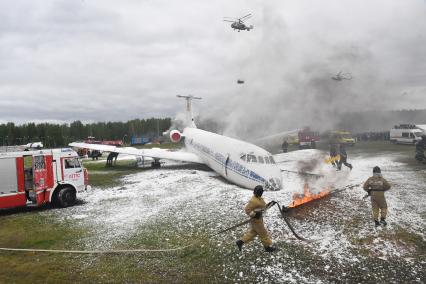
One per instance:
[(257, 159)]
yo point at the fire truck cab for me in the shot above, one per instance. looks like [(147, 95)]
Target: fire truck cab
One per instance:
[(34, 178), (308, 138)]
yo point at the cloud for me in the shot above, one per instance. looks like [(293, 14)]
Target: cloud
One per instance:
[(96, 60)]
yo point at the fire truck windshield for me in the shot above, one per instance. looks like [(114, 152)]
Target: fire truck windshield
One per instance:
[(72, 163)]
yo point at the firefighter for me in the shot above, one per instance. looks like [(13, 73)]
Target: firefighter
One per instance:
[(284, 146), (112, 156), (376, 187), (333, 154), (420, 150), (313, 144), (254, 209), (343, 158)]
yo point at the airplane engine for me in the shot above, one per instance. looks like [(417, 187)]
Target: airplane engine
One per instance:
[(175, 136)]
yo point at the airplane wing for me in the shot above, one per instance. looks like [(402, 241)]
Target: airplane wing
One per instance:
[(155, 153)]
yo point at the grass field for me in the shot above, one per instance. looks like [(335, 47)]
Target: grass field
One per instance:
[(179, 205)]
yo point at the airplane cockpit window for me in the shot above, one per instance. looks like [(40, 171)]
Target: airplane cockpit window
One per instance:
[(243, 157), (271, 159), (260, 159), (267, 160), (251, 158)]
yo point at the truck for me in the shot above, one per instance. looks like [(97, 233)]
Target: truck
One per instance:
[(342, 137), (139, 140), (407, 133), (35, 178), (308, 138)]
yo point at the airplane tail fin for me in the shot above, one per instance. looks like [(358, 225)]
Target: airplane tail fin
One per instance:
[(189, 116)]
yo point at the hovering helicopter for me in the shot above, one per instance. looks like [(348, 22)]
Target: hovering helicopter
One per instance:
[(238, 24), (342, 76)]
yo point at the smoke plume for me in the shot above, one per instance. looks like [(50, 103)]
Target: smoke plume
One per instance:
[(289, 61)]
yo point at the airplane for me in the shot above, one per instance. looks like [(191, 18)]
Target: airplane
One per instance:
[(238, 24), (342, 76), (25, 147), (238, 162), (34, 145)]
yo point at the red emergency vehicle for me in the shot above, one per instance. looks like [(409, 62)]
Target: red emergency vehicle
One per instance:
[(34, 178), (308, 138)]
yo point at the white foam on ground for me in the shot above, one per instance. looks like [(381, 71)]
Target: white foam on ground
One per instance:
[(194, 198)]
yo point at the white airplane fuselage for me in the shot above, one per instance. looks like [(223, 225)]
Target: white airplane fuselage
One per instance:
[(239, 162)]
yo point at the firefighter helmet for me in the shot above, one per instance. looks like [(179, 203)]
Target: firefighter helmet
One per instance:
[(258, 190), (376, 170)]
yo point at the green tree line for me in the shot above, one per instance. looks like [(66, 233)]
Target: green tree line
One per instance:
[(58, 135)]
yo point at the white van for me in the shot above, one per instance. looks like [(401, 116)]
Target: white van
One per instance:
[(406, 134)]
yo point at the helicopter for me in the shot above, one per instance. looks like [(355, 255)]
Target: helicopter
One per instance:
[(342, 76), (238, 24)]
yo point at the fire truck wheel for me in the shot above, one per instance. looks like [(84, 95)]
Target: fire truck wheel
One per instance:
[(66, 197)]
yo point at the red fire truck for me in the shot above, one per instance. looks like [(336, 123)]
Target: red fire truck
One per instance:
[(308, 138), (34, 178)]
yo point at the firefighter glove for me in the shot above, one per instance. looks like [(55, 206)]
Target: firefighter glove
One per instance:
[(257, 215)]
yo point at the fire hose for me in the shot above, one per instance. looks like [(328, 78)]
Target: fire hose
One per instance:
[(97, 251), (282, 210), (304, 173), (149, 250)]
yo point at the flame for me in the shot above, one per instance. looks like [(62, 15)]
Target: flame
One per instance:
[(299, 199)]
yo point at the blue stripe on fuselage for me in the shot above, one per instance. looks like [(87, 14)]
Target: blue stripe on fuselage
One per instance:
[(232, 165)]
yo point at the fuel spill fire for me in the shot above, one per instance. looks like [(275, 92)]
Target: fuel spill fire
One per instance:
[(307, 196)]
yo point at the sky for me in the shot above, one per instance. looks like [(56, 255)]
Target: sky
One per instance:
[(104, 60)]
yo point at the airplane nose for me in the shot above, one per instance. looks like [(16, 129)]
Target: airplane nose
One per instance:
[(273, 184)]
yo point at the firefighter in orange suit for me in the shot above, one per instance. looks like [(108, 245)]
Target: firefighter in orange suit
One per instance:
[(254, 209)]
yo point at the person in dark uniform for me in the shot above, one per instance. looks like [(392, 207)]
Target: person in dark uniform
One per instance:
[(343, 158), (284, 146), (110, 158), (420, 150), (333, 154)]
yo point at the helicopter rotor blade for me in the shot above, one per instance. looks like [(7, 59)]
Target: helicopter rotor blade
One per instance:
[(245, 17), (228, 21)]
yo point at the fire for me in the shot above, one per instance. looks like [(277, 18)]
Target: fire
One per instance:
[(299, 199)]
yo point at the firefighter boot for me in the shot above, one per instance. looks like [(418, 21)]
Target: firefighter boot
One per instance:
[(239, 244), (270, 249), (383, 221), (376, 223)]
